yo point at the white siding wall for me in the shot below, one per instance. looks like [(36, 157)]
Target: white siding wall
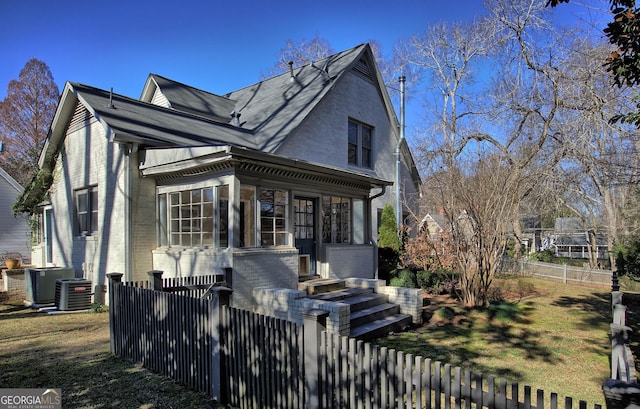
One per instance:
[(190, 262), (349, 261), (14, 231), (254, 268), (143, 223), (88, 159)]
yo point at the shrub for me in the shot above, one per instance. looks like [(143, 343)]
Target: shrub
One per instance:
[(425, 279), (405, 278), (628, 259), (545, 256), (387, 263), (388, 232), (438, 281)]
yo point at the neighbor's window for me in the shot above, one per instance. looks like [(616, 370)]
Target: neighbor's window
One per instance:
[(189, 218), (359, 147), (273, 217), (336, 219), (86, 210)]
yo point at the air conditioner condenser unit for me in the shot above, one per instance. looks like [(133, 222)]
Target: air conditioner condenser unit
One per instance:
[(73, 294)]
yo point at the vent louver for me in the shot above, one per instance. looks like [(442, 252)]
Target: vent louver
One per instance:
[(362, 68), (80, 117)]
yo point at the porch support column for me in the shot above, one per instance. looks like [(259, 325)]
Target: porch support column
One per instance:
[(234, 212)]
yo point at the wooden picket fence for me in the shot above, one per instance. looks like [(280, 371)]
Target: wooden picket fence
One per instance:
[(249, 360), (264, 361), (360, 375), (168, 333)]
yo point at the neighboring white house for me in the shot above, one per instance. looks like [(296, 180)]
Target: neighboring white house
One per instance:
[(15, 235), (292, 168)]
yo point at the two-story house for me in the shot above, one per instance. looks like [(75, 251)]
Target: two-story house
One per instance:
[(277, 178)]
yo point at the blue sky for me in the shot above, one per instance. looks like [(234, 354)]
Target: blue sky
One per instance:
[(215, 45)]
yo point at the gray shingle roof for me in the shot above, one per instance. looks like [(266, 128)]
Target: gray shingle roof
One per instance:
[(270, 110), (130, 120), (189, 99)]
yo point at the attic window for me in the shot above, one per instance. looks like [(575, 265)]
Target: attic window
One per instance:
[(362, 68)]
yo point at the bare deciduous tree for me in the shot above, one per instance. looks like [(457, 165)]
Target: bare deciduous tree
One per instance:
[(494, 148), (601, 164), (25, 117)]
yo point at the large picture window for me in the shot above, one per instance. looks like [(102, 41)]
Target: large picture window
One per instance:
[(86, 206), (191, 218), (273, 217), (336, 219), (359, 146)]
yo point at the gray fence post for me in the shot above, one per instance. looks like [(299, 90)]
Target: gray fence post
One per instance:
[(228, 277), (621, 395), (155, 277), (114, 278), (620, 314), (220, 297), (619, 337), (315, 322)]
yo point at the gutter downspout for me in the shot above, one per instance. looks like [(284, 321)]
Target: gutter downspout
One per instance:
[(373, 243), (402, 80)]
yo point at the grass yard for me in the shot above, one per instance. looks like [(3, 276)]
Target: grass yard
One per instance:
[(71, 352), (545, 334)]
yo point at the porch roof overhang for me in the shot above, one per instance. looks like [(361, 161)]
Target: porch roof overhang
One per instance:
[(177, 163)]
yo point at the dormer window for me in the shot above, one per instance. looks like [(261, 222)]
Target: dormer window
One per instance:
[(360, 136)]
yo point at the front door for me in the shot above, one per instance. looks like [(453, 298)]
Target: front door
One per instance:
[(305, 230)]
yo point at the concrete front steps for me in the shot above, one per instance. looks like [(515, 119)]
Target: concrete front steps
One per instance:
[(371, 315)]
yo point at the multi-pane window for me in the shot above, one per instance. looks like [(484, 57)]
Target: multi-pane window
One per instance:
[(86, 211), (359, 146), (273, 217), (336, 219), (190, 218)]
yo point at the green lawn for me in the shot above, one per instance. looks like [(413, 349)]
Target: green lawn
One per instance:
[(71, 352), (546, 335)]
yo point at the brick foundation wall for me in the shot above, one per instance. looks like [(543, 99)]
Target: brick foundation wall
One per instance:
[(254, 268), (13, 283)]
